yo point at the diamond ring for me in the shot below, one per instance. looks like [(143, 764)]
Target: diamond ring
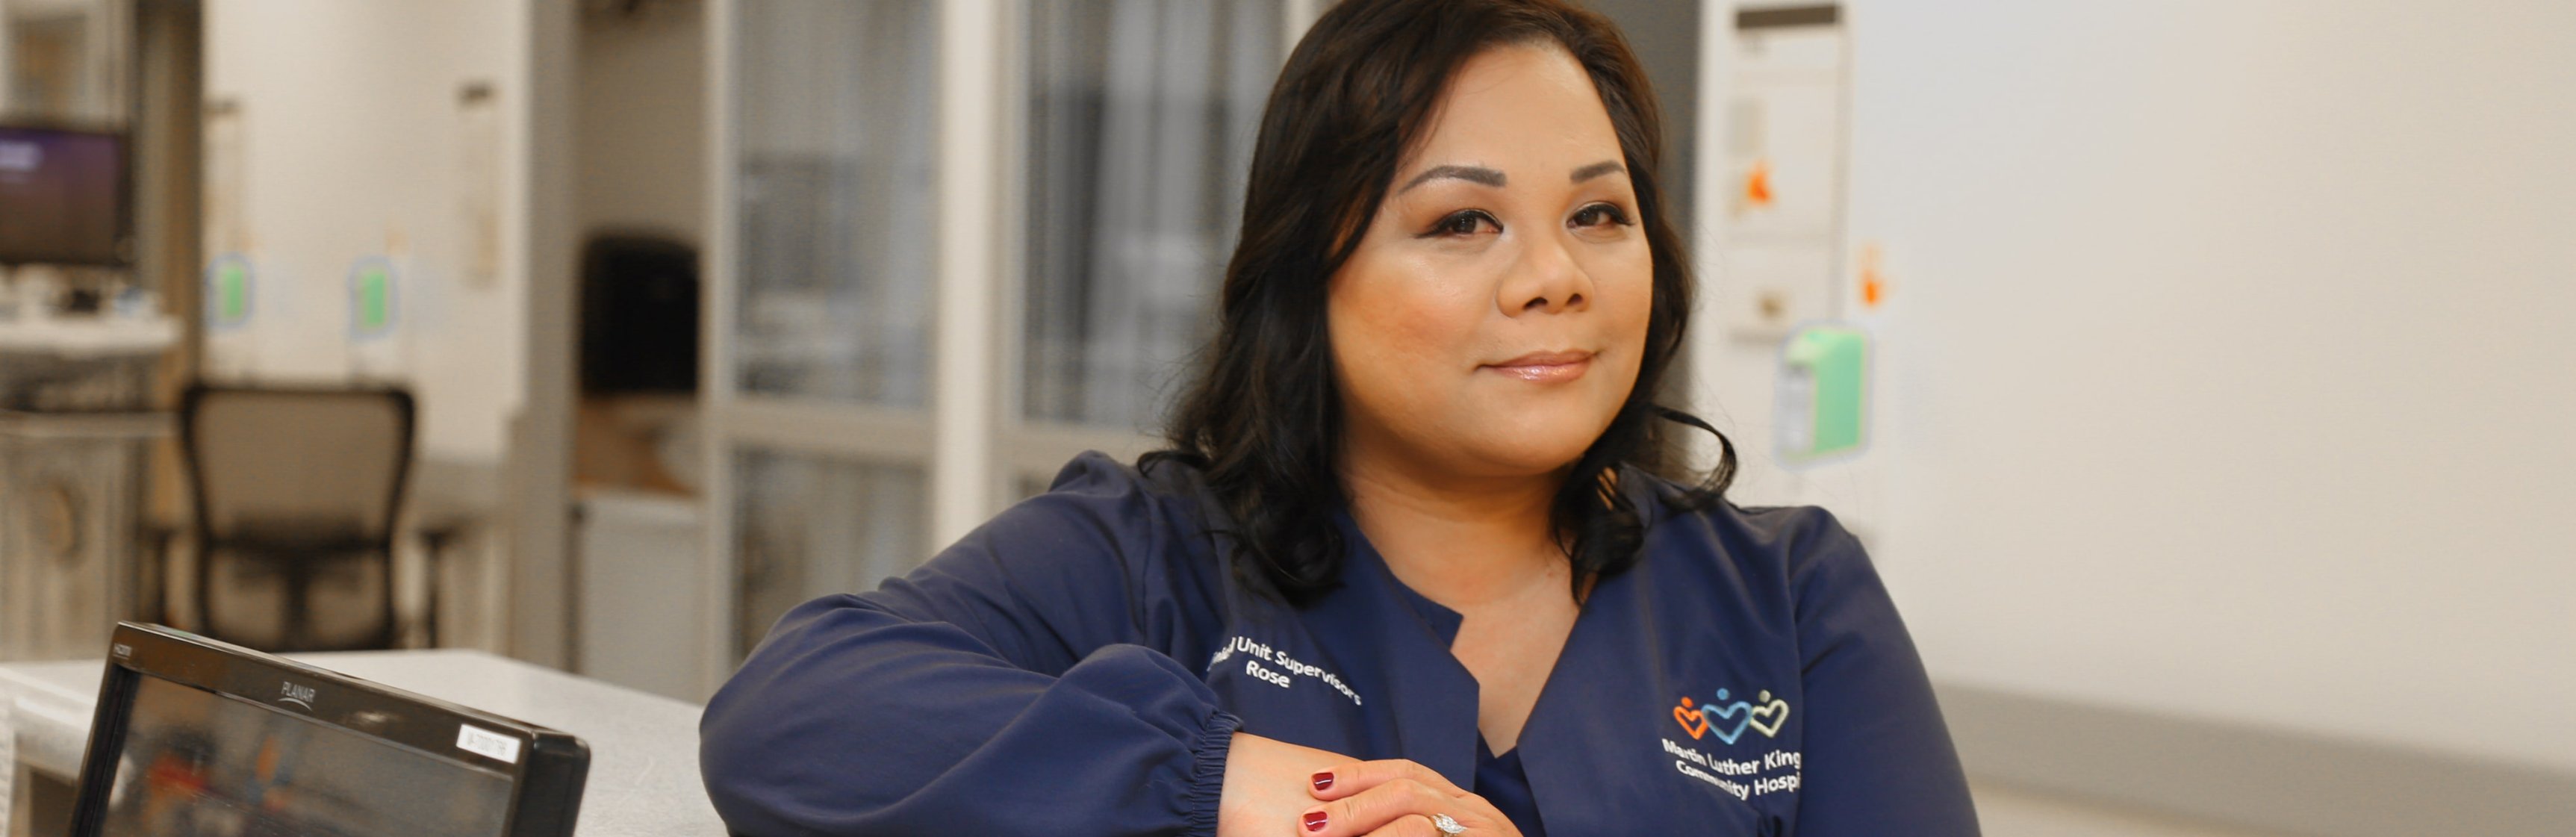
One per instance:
[(1447, 825)]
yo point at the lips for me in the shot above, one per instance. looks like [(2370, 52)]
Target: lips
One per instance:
[(1545, 367)]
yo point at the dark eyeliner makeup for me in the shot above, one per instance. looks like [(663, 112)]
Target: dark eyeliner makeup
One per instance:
[(1616, 214), (1449, 225)]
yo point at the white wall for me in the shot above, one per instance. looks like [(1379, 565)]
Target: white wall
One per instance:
[(351, 148), (2227, 368)]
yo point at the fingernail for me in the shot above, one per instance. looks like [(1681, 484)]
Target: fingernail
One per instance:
[(1323, 781), (1314, 821)]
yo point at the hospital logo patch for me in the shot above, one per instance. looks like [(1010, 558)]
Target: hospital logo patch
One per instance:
[(1744, 774), (1728, 717)]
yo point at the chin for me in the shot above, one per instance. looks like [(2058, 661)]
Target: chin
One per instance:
[(1538, 443)]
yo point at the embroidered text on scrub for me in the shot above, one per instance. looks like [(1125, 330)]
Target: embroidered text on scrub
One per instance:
[(1260, 653)]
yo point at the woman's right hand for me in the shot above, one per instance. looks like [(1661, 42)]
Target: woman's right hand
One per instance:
[(1392, 797), (1267, 784)]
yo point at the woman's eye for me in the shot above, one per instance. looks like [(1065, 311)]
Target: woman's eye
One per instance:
[(1461, 224), (1599, 214)]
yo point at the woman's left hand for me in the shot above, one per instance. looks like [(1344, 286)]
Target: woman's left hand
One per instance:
[(1395, 798)]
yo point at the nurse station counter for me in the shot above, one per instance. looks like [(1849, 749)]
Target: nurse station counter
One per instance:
[(643, 748)]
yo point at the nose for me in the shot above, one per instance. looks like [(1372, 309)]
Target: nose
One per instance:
[(1545, 279)]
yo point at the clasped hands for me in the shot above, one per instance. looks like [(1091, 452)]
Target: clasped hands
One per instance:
[(1277, 789)]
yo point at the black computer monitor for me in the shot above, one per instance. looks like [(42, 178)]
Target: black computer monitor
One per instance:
[(198, 737), (62, 196)]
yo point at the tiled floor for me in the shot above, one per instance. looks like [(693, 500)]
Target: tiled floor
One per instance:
[(2011, 812)]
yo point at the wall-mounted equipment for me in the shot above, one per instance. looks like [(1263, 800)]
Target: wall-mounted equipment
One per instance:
[(1822, 408), (1786, 128)]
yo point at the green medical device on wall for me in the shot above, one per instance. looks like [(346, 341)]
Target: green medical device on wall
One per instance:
[(1822, 408), (371, 298), (228, 282)]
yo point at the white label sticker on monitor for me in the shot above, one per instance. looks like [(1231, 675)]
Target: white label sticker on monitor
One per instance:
[(474, 739)]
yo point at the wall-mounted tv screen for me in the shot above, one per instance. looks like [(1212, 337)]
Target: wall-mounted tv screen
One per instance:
[(62, 196)]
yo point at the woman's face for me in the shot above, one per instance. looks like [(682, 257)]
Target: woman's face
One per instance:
[(1492, 320)]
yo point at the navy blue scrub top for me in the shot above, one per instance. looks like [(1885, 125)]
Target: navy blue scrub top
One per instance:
[(1079, 664)]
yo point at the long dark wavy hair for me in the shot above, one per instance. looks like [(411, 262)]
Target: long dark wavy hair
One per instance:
[(1262, 418)]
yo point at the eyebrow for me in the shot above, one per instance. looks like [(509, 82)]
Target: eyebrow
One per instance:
[(1597, 170), (1489, 177), (1471, 174)]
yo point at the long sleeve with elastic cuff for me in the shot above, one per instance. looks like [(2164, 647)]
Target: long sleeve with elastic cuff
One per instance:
[(1007, 687)]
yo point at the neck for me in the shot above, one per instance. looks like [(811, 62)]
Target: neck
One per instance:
[(1461, 541)]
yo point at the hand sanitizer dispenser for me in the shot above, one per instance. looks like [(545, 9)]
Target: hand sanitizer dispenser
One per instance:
[(1822, 408)]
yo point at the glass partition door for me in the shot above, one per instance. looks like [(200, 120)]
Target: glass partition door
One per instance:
[(956, 243), (1140, 118), (823, 275)]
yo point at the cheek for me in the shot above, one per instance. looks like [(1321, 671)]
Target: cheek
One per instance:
[(1404, 341), (1636, 312), (1625, 284), (1397, 327)]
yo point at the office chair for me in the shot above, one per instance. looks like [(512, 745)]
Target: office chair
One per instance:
[(297, 493)]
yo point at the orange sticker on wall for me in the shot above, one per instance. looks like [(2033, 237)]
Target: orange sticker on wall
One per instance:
[(1873, 282), (1757, 184)]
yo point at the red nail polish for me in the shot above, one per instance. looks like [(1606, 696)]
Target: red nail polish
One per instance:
[(1323, 781), (1314, 821)]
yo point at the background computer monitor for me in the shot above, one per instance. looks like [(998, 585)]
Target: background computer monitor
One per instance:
[(62, 196), (196, 737)]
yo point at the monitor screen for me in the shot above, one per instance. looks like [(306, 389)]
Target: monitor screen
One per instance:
[(62, 196), (195, 762)]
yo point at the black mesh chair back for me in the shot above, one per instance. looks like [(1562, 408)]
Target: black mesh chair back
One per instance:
[(297, 493)]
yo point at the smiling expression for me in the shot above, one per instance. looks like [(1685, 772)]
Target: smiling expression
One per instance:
[(1493, 316)]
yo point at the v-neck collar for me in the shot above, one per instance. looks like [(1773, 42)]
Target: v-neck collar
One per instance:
[(1581, 709), (1438, 619), (1583, 732), (1431, 698)]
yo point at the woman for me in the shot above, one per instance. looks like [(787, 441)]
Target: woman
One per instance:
[(1406, 568)]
